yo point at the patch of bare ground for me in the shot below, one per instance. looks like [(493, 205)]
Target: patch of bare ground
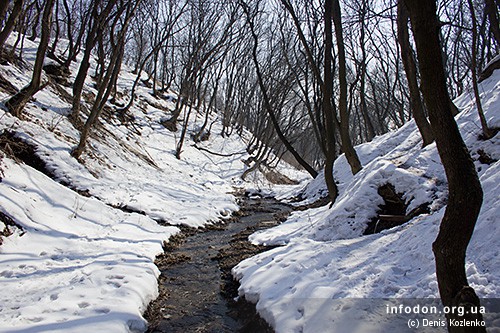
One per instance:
[(21, 151), (9, 226), (393, 212), (7, 86), (278, 178)]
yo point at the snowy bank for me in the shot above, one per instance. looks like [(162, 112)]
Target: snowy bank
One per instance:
[(78, 265), (325, 259)]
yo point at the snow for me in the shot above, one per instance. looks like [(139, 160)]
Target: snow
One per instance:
[(82, 264), (326, 276)]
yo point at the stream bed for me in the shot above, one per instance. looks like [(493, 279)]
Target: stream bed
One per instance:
[(197, 291)]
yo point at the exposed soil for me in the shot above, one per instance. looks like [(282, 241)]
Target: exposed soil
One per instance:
[(9, 224), (22, 151), (58, 73), (484, 158), (197, 291), (7, 86), (393, 212)]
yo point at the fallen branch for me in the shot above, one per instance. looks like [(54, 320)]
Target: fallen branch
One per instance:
[(218, 154), (422, 209)]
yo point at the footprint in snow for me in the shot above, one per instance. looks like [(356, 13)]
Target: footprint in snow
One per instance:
[(300, 313), (83, 305), (7, 274), (114, 284)]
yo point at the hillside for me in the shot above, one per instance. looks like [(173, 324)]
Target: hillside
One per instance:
[(325, 262), (81, 254)]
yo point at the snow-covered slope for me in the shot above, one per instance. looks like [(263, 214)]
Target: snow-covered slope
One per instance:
[(305, 285), (76, 261), (81, 264), (133, 164)]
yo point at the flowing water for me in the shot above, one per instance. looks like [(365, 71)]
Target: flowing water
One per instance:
[(196, 289)]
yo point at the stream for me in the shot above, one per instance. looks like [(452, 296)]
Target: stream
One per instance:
[(197, 292)]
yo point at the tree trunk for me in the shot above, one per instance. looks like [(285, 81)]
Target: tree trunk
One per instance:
[(178, 149), (109, 79), (4, 5), (97, 22), (57, 30), (487, 132), (370, 130), (347, 148), (333, 191), (69, 34), (11, 21), (100, 101), (417, 108), (74, 47), (492, 12), (465, 192), (36, 20), (17, 102), (100, 62)]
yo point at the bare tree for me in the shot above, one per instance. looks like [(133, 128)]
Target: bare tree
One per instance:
[(488, 133), (111, 73), (71, 19), (167, 32), (491, 10), (11, 21), (464, 203), (327, 104), (347, 148), (17, 102), (361, 10), (267, 104), (207, 39), (410, 67), (98, 20), (4, 6)]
